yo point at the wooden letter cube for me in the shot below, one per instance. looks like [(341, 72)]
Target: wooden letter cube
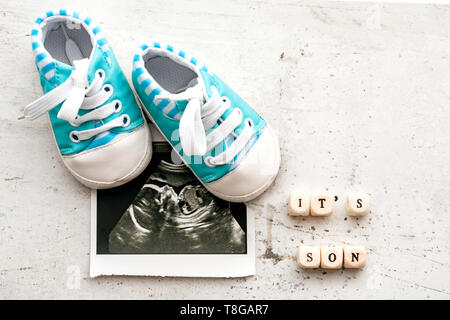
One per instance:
[(331, 257), (298, 204), (321, 204), (308, 257), (358, 204), (354, 257)]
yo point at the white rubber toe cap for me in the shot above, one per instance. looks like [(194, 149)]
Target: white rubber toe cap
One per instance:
[(115, 163), (255, 173)]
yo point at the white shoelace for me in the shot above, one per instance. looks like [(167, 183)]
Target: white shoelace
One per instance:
[(78, 94), (200, 115)]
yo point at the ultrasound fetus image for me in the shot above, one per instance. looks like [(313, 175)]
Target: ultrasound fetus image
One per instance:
[(174, 214)]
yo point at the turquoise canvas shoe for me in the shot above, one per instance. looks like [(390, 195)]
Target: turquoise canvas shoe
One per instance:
[(98, 126), (227, 144)]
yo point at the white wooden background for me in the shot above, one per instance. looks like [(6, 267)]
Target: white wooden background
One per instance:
[(359, 94)]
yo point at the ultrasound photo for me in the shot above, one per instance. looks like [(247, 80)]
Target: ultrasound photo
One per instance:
[(174, 213), (171, 212), (165, 223)]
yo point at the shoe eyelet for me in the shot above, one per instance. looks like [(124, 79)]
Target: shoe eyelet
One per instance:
[(107, 88), (117, 106), (210, 162), (73, 137), (225, 99), (73, 124), (249, 122), (101, 73), (126, 120)]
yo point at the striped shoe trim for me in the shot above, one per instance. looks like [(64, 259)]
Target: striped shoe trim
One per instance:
[(44, 62), (149, 85)]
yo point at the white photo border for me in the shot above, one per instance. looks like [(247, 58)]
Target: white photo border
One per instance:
[(172, 265)]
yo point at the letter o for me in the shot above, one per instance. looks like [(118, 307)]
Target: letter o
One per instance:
[(332, 257)]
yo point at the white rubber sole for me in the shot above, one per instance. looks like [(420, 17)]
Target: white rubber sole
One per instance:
[(143, 163), (241, 198)]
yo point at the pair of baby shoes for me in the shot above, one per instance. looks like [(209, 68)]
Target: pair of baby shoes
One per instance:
[(102, 135)]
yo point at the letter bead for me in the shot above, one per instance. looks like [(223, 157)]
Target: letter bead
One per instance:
[(321, 204), (354, 257), (298, 204), (331, 257), (308, 257), (358, 204)]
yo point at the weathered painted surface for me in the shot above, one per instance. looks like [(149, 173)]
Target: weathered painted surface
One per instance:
[(359, 94)]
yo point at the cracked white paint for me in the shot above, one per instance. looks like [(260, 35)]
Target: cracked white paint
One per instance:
[(358, 106)]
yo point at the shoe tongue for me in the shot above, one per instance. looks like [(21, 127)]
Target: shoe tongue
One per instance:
[(64, 70), (81, 71), (207, 83), (73, 51), (191, 92), (193, 83), (198, 86), (97, 61)]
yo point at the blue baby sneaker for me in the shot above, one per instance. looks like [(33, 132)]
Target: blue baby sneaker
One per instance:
[(98, 126), (227, 144)]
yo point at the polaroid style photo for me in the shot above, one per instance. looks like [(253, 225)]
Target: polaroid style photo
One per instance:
[(165, 223)]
